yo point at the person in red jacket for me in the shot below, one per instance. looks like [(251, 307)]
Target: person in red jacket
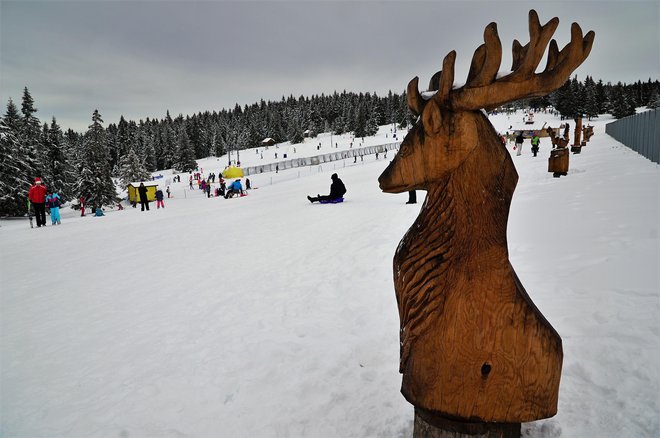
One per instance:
[(37, 196)]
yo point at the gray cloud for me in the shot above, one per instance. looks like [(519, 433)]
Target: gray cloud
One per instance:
[(141, 58)]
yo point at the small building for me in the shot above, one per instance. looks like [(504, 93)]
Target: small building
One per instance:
[(268, 142), (134, 196)]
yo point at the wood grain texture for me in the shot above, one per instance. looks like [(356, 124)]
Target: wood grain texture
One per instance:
[(474, 347)]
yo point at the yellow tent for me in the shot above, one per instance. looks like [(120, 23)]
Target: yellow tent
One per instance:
[(232, 172)]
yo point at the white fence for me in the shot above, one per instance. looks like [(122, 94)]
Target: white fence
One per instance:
[(320, 159)]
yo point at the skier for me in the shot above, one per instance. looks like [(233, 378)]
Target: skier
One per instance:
[(37, 196), (337, 190), (82, 206), (168, 192)]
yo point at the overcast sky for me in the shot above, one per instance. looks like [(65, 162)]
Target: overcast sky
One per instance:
[(141, 58)]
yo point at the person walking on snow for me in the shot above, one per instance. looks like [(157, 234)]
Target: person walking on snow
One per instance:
[(519, 143), (144, 201), (535, 144), (337, 190), (37, 196), (159, 199)]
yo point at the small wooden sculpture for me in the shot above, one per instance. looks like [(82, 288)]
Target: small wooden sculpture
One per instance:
[(558, 161), (474, 348), (588, 133), (576, 147)]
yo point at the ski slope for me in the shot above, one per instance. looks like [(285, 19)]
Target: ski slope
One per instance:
[(268, 316)]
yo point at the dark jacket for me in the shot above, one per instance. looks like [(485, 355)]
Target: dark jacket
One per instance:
[(142, 191), (159, 195), (337, 188)]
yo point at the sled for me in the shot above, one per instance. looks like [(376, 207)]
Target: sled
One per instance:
[(331, 201)]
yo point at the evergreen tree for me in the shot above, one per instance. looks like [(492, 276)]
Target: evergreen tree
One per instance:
[(601, 98), (58, 167), (30, 138), (295, 131), (654, 100), (132, 169), (185, 157), (590, 102), (621, 106), (95, 181), (361, 121), (13, 184)]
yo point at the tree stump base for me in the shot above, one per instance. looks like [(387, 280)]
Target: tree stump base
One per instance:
[(431, 425)]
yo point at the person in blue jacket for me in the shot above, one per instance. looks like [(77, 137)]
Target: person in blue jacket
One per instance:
[(235, 188), (54, 202)]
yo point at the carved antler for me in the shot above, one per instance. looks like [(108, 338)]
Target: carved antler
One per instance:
[(484, 89)]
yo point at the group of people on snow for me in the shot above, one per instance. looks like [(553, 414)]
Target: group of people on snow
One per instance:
[(41, 201), (536, 141)]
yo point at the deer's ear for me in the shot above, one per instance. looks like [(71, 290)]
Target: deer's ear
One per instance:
[(432, 117)]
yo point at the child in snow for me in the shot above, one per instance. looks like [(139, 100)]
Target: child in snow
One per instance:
[(54, 205), (159, 199)]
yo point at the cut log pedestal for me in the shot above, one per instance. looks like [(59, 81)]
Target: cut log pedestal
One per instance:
[(558, 162), (430, 425)]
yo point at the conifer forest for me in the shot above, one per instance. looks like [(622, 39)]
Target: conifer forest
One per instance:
[(89, 164)]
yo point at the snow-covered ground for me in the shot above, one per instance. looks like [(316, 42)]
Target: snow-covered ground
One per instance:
[(268, 316)]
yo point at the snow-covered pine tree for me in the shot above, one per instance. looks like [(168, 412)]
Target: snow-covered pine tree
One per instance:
[(13, 186), (132, 169), (621, 106), (60, 171), (295, 126), (95, 182), (185, 154), (590, 102), (361, 121), (30, 138), (147, 140), (374, 118)]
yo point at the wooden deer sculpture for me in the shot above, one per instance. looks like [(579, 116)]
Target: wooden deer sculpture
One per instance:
[(474, 348)]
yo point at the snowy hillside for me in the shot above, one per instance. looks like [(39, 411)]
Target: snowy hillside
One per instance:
[(268, 316)]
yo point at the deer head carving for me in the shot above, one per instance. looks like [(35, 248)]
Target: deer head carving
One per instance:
[(473, 345)]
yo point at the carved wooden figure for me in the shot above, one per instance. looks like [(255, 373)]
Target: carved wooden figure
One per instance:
[(576, 148), (588, 133), (474, 348)]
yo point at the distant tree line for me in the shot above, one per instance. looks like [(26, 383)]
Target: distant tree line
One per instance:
[(88, 164), (590, 98)]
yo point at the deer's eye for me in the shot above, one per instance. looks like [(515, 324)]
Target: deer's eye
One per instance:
[(405, 150)]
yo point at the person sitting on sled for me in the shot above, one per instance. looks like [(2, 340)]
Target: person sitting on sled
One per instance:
[(337, 190), (236, 188)]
